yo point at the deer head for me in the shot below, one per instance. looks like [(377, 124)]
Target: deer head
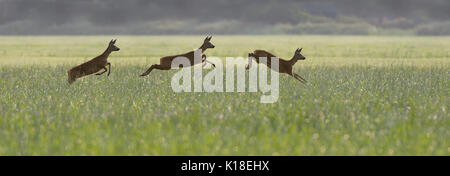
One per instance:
[(112, 47), (207, 44), (297, 55)]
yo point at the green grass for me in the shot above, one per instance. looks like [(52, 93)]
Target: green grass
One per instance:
[(367, 96)]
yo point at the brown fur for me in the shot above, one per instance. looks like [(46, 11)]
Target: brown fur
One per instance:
[(94, 65), (285, 66), (165, 63)]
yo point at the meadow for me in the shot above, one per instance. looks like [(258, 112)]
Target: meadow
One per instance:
[(367, 95)]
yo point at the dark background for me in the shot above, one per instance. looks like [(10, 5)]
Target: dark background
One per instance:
[(361, 17)]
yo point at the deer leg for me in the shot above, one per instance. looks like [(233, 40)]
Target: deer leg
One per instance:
[(300, 77), (297, 78), (204, 61), (102, 72), (150, 69), (109, 68), (250, 56), (214, 65)]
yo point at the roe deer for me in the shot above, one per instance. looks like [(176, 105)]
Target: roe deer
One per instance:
[(285, 66), (93, 65), (165, 63)]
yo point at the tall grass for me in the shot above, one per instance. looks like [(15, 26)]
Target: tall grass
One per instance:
[(367, 96)]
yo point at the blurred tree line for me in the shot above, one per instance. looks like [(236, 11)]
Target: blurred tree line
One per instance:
[(421, 17)]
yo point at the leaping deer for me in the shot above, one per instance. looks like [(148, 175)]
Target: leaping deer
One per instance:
[(94, 65), (165, 63), (285, 66)]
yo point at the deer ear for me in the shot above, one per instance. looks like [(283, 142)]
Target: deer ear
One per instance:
[(111, 41), (209, 38), (114, 41), (300, 50)]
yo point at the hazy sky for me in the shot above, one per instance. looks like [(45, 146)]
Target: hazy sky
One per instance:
[(21, 14)]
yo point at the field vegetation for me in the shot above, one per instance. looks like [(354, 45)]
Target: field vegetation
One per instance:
[(366, 96)]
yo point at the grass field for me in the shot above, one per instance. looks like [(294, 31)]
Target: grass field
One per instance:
[(367, 96)]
